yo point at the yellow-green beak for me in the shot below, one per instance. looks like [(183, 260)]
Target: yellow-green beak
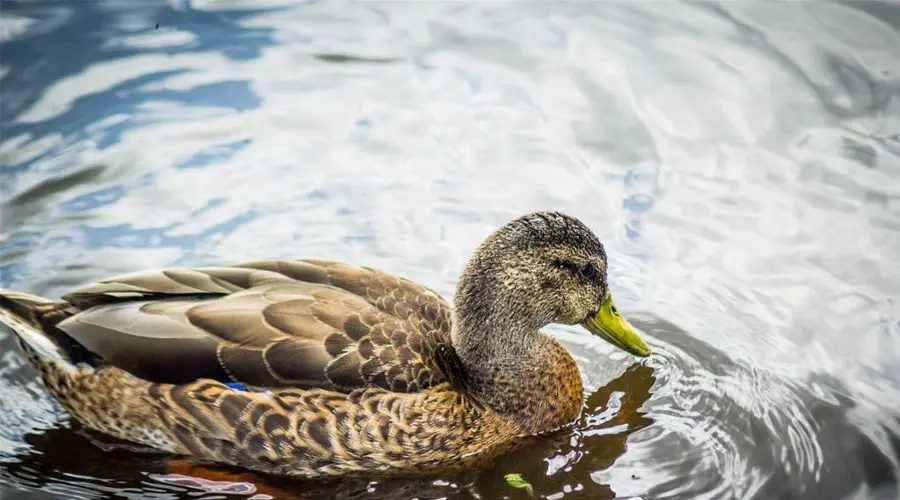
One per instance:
[(611, 326)]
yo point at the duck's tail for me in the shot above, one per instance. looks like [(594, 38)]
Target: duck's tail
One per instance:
[(23, 313)]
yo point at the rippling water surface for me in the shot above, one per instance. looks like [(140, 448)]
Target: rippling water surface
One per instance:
[(740, 161)]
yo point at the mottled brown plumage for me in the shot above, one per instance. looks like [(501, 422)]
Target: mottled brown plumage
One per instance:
[(348, 370), (251, 323)]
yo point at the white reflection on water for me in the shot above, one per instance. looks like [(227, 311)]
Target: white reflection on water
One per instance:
[(741, 162)]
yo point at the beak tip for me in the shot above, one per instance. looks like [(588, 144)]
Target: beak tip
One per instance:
[(640, 350)]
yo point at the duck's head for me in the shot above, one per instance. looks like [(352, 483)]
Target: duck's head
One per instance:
[(538, 269)]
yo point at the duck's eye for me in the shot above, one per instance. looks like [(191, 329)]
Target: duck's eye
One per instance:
[(587, 272)]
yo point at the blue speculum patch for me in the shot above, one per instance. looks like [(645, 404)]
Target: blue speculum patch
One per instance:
[(237, 386)]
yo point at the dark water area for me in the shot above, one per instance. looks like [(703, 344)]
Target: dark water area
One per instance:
[(740, 161)]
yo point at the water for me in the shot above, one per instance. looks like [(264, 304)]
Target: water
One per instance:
[(741, 161)]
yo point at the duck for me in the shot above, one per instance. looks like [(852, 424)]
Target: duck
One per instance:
[(316, 368)]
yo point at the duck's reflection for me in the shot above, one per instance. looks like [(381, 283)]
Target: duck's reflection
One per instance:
[(558, 462)]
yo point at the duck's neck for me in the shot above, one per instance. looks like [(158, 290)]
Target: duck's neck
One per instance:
[(483, 330), (488, 322), (512, 367), (534, 382), (495, 311)]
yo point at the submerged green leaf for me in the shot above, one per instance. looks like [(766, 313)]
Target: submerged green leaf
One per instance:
[(517, 481)]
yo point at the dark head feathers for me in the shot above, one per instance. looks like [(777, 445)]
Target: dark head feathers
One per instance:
[(548, 229)]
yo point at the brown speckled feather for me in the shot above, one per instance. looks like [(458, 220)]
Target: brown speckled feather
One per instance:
[(291, 432), (268, 324)]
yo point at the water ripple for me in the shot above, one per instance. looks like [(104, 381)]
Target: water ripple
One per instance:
[(739, 160)]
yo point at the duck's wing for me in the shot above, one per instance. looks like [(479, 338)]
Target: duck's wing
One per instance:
[(304, 324)]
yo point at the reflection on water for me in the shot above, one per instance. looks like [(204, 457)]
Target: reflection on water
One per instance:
[(740, 160)]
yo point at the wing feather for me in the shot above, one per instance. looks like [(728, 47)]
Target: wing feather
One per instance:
[(305, 324)]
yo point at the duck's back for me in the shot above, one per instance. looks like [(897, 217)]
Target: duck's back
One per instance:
[(304, 324)]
